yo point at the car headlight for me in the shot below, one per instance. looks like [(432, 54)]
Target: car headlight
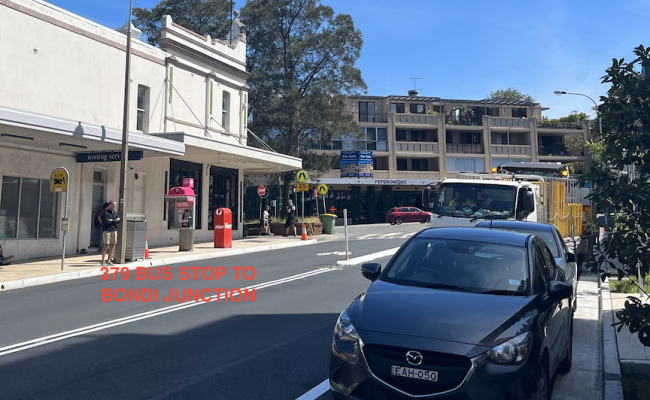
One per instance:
[(514, 351), (344, 330)]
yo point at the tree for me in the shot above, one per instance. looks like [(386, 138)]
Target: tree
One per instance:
[(205, 17), (301, 60), (625, 112), (510, 94)]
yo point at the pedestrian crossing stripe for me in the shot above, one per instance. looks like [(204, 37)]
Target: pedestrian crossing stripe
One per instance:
[(371, 236)]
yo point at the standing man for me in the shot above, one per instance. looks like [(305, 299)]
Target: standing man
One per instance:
[(110, 219), (266, 222)]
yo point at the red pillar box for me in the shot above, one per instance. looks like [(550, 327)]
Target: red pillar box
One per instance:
[(222, 228)]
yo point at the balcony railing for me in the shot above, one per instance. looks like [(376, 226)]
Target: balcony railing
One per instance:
[(515, 149), (560, 150), (466, 121), (559, 125), (499, 122), (417, 119), (351, 145), (418, 146), (377, 118), (465, 148)]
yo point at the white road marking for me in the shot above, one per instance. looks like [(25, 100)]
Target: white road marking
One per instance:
[(368, 257), (335, 253), (316, 392), (367, 236), (388, 235), (408, 235), (149, 314)]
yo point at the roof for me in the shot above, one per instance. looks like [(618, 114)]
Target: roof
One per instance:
[(476, 235), (483, 182), (413, 98), (514, 225), (494, 102), (533, 165)]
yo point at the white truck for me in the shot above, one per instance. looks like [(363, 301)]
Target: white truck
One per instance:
[(473, 197)]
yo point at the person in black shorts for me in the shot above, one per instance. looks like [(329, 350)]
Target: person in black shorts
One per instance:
[(291, 219)]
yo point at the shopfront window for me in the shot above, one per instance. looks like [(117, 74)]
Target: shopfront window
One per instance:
[(223, 193), (28, 209), (182, 169)]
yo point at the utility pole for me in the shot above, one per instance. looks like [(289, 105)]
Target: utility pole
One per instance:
[(121, 210)]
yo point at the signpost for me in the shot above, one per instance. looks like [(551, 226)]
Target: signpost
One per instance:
[(302, 187), (302, 177), (322, 190), (261, 191), (59, 184)]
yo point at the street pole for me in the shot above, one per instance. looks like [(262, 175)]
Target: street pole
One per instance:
[(121, 242), (508, 144), (345, 223)]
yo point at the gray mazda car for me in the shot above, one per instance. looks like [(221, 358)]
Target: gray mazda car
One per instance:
[(458, 313)]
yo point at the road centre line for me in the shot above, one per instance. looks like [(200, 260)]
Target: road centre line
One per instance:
[(316, 392), (149, 314)]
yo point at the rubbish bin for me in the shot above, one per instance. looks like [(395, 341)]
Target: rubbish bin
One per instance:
[(329, 220), (136, 235)]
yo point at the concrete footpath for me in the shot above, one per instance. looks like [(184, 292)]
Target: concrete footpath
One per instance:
[(20, 274)]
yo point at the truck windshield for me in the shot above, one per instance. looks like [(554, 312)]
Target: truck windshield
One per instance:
[(470, 200)]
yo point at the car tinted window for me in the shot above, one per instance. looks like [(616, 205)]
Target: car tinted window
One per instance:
[(541, 273), (391, 210), (558, 237), (474, 265), (403, 209), (549, 262), (546, 236)]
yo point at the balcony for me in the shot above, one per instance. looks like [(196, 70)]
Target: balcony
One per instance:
[(416, 119), (498, 122), (515, 149), (465, 148), (375, 118), (421, 147), (560, 150), (464, 121)]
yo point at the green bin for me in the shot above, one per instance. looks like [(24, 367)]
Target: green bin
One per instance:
[(329, 221)]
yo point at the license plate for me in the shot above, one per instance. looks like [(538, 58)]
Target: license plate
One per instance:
[(414, 373)]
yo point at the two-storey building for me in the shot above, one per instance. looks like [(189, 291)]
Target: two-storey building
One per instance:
[(62, 98)]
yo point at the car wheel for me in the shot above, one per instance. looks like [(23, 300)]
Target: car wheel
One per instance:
[(428, 220), (541, 382), (398, 221), (565, 365)]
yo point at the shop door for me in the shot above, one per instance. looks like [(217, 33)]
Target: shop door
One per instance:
[(97, 202)]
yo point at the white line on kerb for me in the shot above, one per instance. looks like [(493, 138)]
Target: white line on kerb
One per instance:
[(149, 314), (316, 392)]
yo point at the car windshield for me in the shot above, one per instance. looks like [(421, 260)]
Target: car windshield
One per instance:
[(460, 265), (468, 200)]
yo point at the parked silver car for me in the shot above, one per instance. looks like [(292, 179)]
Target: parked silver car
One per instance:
[(565, 259)]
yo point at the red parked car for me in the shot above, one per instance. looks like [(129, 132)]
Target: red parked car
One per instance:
[(398, 215)]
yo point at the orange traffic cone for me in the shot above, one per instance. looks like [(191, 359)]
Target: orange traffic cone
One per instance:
[(304, 233), (146, 248)]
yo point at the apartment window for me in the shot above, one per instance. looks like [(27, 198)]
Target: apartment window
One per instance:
[(465, 164), (142, 121), (400, 135), (418, 136), (402, 164), (419, 164), (501, 138), (28, 209), (417, 109), (470, 138), (518, 113), (397, 108), (225, 108), (366, 112), (382, 139), (500, 161)]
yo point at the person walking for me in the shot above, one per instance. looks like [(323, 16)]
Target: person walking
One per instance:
[(291, 219), (265, 220), (110, 219)]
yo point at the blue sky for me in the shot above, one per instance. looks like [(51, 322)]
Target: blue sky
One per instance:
[(465, 50)]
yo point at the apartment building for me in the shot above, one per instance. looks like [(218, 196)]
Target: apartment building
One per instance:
[(417, 140)]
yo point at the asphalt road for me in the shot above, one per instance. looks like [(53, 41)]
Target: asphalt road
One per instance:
[(61, 341)]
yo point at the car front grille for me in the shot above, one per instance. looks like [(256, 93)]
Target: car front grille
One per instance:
[(451, 369)]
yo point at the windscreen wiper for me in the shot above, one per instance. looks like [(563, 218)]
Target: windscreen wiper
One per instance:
[(504, 292), (443, 286)]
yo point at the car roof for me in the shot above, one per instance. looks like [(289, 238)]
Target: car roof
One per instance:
[(476, 235), (514, 225)]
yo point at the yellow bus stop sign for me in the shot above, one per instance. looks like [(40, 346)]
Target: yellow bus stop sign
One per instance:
[(59, 180)]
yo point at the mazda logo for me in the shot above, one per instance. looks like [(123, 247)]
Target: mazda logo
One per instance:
[(414, 357)]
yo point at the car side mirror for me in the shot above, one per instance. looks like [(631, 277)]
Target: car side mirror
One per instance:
[(529, 201), (559, 290), (371, 270), (571, 256)]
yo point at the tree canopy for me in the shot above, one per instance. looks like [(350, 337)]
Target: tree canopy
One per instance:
[(510, 94), (205, 17), (625, 112)]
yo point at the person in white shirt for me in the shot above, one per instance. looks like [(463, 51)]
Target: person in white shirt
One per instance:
[(265, 221)]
